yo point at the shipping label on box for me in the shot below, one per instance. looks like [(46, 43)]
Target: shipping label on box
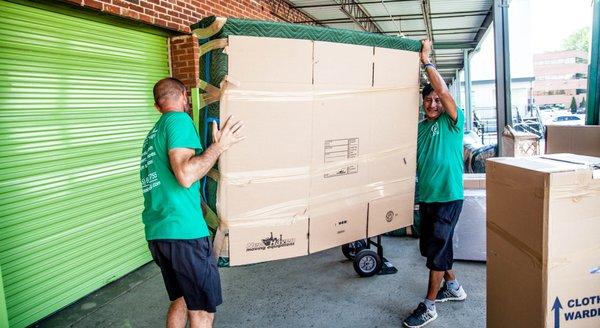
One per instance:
[(336, 150)]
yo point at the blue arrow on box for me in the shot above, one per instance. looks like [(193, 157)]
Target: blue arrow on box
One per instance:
[(556, 308)]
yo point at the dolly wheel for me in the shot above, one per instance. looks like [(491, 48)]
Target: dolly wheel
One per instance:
[(351, 249), (367, 263)]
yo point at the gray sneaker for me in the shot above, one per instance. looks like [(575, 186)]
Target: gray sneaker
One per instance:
[(420, 317), (448, 294)]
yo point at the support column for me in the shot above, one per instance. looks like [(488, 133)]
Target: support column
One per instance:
[(468, 109), (501, 54)]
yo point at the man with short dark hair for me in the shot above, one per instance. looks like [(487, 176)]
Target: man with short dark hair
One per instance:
[(439, 171), (171, 164)]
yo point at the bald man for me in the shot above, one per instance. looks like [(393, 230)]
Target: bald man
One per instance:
[(171, 164)]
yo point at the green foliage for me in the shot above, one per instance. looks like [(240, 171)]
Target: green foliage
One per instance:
[(573, 105), (578, 40)]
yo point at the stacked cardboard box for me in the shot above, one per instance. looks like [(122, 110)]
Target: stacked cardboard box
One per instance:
[(543, 241), (582, 140)]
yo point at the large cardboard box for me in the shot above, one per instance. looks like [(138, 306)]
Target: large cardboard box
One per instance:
[(582, 140), (330, 153), (543, 241)]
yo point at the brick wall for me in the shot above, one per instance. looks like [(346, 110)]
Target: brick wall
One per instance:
[(178, 15)]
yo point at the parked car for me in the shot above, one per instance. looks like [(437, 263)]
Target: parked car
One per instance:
[(567, 120)]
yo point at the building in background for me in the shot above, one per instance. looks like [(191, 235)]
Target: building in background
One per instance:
[(560, 76)]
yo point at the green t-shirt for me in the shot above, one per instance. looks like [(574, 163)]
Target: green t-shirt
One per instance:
[(440, 158), (171, 211)]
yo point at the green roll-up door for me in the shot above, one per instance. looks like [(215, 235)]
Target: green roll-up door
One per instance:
[(75, 107), (3, 313)]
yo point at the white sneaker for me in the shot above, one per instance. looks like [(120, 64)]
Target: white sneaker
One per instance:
[(448, 294)]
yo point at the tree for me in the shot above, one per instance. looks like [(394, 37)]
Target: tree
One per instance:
[(578, 40), (573, 106), (582, 104)]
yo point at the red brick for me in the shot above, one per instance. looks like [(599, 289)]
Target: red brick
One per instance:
[(160, 22), (112, 9), (137, 8), (178, 52), (147, 19), (147, 5), (166, 4), (130, 13), (93, 4)]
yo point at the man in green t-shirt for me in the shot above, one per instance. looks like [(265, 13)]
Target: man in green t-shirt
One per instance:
[(171, 164), (439, 171)]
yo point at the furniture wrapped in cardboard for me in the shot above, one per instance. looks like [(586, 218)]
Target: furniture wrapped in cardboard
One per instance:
[(543, 241), (582, 140), (331, 130)]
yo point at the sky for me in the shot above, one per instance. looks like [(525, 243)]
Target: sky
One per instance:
[(554, 20), (535, 26)]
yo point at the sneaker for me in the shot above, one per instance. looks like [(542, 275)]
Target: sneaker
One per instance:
[(420, 317), (448, 294)]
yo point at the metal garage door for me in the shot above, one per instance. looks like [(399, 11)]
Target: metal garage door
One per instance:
[(75, 106)]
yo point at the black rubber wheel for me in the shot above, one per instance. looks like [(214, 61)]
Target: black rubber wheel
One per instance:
[(351, 249), (367, 263)]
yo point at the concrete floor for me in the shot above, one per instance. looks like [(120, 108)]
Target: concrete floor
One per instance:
[(319, 290)]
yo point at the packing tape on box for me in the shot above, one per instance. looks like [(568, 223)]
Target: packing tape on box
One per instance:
[(308, 208), (288, 212), (576, 192), (304, 172), (535, 257), (287, 96)]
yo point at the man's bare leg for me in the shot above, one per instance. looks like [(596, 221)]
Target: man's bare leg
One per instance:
[(449, 275), (435, 279), (177, 315), (201, 319)]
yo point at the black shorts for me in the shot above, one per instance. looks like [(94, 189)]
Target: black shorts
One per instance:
[(437, 229), (189, 270)]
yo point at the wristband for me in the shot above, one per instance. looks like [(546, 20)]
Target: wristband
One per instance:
[(428, 64)]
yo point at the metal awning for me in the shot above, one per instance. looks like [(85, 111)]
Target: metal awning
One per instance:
[(452, 25)]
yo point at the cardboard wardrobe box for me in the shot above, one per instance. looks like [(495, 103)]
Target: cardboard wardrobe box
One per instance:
[(582, 140), (543, 241), (330, 149)]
